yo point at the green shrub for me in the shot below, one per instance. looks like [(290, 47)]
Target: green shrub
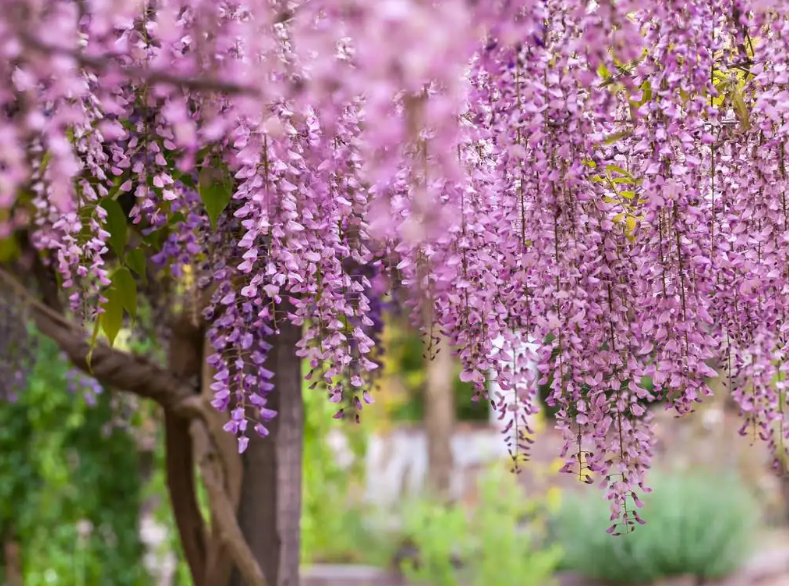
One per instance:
[(500, 542), (334, 528), (70, 489), (696, 524)]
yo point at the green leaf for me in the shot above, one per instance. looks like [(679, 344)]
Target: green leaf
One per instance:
[(116, 225), (627, 194), (615, 169), (123, 282), (112, 318), (135, 260), (215, 190), (176, 219), (186, 179), (115, 190), (646, 88)]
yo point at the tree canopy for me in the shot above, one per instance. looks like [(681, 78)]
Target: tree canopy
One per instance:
[(605, 178)]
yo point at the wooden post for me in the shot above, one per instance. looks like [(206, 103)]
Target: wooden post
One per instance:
[(440, 420)]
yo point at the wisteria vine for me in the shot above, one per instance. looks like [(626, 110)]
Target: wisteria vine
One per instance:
[(604, 180)]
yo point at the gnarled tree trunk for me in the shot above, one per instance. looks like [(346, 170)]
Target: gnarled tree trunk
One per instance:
[(261, 537), (270, 509)]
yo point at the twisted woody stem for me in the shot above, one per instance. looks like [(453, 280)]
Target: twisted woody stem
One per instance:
[(135, 374)]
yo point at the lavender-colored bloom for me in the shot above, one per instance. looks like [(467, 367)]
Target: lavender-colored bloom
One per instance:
[(603, 186)]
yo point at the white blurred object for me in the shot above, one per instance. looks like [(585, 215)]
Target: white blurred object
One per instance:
[(159, 561), (397, 463), (339, 444), (495, 391), (712, 418)]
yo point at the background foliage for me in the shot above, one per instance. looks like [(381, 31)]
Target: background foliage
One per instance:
[(71, 490), (405, 379), (697, 523), (503, 536)]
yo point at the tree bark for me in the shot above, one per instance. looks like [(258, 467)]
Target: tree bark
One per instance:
[(212, 469), (12, 560), (219, 562), (184, 361), (439, 408), (270, 507)]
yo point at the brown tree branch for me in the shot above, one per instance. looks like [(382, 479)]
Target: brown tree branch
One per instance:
[(110, 366), (47, 284), (128, 372), (179, 466), (224, 512), (104, 64), (184, 361), (12, 558)]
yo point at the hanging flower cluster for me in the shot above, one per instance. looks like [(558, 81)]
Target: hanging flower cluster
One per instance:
[(602, 184)]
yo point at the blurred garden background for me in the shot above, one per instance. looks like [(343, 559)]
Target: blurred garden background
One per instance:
[(420, 493)]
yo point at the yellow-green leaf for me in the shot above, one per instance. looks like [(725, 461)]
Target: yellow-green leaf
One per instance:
[(616, 169), (627, 194), (116, 225), (45, 160), (124, 283), (741, 109), (646, 88), (617, 136), (723, 94), (112, 319), (9, 249)]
